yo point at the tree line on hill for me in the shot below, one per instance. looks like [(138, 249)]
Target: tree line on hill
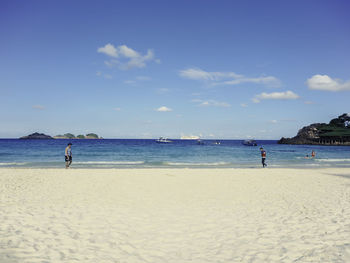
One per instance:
[(37, 135), (80, 136)]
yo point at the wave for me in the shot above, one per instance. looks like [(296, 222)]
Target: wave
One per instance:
[(284, 151), (150, 163), (111, 162), (306, 158), (333, 160), (197, 164), (7, 164)]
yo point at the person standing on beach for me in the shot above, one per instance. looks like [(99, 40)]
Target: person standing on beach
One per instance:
[(263, 156), (68, 155)]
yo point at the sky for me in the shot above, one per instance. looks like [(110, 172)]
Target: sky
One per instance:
[(145, 69)]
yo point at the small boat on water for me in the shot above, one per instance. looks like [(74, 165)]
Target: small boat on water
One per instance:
[(163, 140), (200, 142), (249, 143), (217, 143)]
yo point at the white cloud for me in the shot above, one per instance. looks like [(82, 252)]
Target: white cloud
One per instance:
[(324, 82), (117, 109), (273, 121), (287, 95), (227, 78), (199, 74), (109, 50), (128, 58), (164, 109), (267, 81), (309, 102), (244, 105), (139, 61), (38, 107), (128, 52), (214, 103)]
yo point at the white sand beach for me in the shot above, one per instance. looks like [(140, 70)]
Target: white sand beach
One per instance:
[(174, 215)]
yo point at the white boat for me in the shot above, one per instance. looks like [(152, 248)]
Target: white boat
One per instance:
[(163, 140), (249, 143)]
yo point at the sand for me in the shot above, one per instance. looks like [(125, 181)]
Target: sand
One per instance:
[(174, 215)]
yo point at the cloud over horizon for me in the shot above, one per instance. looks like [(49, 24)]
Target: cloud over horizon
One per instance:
[(211, 103), (125, 57), (164, 109), (227, 78), (326, 83), (286, 95)]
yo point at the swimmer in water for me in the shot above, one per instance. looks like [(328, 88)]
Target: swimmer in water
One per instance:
[(313, 154)]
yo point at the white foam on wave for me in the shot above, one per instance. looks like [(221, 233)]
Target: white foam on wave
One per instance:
[(198, 164), (6, 164), (333, 160), (111, 162)]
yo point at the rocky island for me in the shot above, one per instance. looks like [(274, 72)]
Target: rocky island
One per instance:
[(72, 136), (336, 132), (37, 135)]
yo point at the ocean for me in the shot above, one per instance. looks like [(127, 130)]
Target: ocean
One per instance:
[(139, 153)]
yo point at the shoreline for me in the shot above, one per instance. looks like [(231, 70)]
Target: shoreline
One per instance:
[(272, 168), (175, 168)]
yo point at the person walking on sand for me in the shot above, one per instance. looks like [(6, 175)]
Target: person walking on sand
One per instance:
[(263, 156), (68, 155)]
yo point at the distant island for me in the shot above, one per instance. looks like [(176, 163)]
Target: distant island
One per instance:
[(37, 135), (336, 132), (72, 136)]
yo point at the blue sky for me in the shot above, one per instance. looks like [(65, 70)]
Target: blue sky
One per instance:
[(144, 69)]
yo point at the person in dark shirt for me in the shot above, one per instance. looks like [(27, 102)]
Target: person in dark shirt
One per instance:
[(68, 155), (263, 156)]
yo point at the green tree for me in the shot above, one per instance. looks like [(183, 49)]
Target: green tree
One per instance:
[(92, 135), (69, 136)]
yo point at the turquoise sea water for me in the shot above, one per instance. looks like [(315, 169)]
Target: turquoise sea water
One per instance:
[(121, 153)]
